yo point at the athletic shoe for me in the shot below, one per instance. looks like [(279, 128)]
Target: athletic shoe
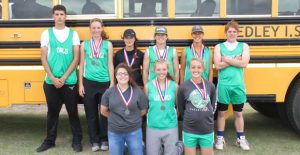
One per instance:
[(77, 147), (95, 147), (104, 146), (219, 145), (45, 146), (242, 143)]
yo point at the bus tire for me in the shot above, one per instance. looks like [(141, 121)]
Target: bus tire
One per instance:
[(293, 105), (267, 109)]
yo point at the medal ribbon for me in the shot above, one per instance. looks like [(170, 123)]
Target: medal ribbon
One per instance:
[(96, 49), (127, 59), (126, 103), (195, 54), (161, 95), (202, 91), (164, 55)]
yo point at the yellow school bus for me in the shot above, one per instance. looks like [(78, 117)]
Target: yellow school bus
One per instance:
[(270, 27)]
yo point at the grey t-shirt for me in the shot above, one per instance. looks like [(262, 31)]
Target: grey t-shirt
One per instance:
[(198, 116), (118, 121)]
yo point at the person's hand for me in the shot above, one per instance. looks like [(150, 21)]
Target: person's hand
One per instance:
[(238, 57), (225, 59), (62, 80), (111, 84), (57, 83), (81, 90)]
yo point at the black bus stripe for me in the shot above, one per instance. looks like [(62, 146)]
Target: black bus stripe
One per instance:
[(155, 22), (177, 43), (253, 59)]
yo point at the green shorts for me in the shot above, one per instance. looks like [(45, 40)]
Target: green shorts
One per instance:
[(192, 140), (231, 94)]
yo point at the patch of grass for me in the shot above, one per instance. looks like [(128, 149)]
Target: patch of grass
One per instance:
[(22, 131)]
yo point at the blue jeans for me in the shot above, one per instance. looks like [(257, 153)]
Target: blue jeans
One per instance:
[(133, 140)]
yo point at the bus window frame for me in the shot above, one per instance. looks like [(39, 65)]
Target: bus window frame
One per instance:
[(213, 16), (169, 16), (289, 16), (90, 16), (9, 12), (1, 11), (252, 15), (249, 16)]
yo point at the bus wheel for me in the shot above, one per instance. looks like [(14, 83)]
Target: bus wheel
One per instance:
[(267, 109), (293, 105)]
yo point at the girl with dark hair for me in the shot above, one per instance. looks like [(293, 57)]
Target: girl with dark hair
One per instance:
[(131, 55), (96, 73), (162, 127), (124, 105)]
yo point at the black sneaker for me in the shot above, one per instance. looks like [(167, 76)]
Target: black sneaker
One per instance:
[(44, 147), (77, 147)]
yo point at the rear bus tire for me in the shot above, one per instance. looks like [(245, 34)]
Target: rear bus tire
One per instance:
[(293, 105)]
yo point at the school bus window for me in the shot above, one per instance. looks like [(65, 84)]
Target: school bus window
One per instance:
[(82, 7), (197, 8), (145, 8), (292, 9), (249, 7), (30, 9), (0, 10)]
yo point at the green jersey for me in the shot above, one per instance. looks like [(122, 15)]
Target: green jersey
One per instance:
[(60, 56), (158, 117), (96, 69), (153, 57), (231, 75), (205, 57)]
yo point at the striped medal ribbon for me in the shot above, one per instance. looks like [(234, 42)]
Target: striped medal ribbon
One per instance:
[(96, 49), (126, 103), (164, 55), (161, 95), (202, 91), (127, 59), (195, 54)]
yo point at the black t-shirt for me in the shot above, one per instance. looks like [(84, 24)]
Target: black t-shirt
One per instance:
[(198, 116), (136, 66)]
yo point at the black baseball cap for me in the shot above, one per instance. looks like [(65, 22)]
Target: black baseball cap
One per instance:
[(129, 33)]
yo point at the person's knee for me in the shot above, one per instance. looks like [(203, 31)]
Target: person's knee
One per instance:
[(207, 151), (238, 115), (221, 114)]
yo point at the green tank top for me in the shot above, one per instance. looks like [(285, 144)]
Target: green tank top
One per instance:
[(231, 75), (153, 57), (96, 69), (157, 118), (189, 55), (60, 56)]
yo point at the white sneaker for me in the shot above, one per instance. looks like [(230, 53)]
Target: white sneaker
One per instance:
[(104, 146), (242, 143), (95, 147), (219, 145)]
